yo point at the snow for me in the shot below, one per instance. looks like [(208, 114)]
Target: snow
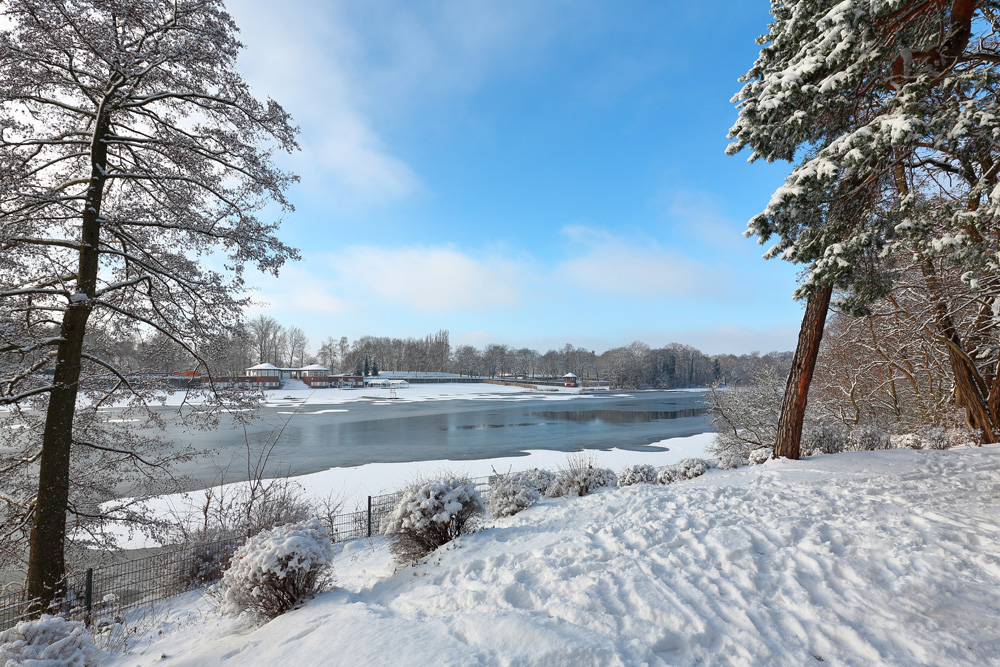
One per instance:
[(354, 485), (262, 563), (301, 394), (433, 502), (886, 557), (49, 641)]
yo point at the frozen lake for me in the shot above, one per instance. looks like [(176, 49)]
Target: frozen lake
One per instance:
[(314, 436)]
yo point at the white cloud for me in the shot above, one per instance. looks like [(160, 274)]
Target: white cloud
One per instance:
[(633, 270), (423, 53), (509, 296), (736, 339), (431, 279), (349, 72), (697, 216), (299, 292), (298, 53)]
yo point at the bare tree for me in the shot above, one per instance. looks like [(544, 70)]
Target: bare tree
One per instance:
[(495, 359), (265, 332), (297, 345), (129, 148), (327, 352), (342, 351), (467, 360)]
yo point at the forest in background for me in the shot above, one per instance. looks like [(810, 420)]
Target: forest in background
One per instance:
[(634, 366)]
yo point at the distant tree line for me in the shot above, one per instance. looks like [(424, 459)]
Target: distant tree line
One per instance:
[(632, 366), (265, 340)]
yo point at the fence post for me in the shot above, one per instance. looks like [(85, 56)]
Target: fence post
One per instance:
[(369, 516), (88, 595)]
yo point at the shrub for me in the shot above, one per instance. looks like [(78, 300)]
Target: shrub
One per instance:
[(431, 514), (868, 438), (243, 509), (957, 437), (729, 462), (50, 641), (510, 494), (934, 437), (580, 477), (685, 469), (277, 569), (759, 455), (906, 441), (641, 473), (539, 479), (825, 438)]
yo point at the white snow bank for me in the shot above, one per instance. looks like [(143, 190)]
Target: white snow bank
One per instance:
[(354, 485), (864, 558), (297, 393)]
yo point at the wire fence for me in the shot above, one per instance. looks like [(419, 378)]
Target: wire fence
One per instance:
[(98, 592)]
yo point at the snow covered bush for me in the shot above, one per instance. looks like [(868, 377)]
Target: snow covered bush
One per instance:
[(50, 641), (959, 436), (510, 494), (906, 441), (431, 514), (824, 437), (729, 462), (685, 469), (759, 455), (641, 473), (934, 437), (868, 438), (580, 477), (277, 569), (539, 479)]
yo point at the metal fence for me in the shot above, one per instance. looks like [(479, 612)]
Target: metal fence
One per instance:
[(97, 592)]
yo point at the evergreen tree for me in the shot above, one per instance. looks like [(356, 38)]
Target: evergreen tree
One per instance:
[(374, 367), (367, 367), (862, 94)]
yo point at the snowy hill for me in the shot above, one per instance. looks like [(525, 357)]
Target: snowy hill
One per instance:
[(851, 559)]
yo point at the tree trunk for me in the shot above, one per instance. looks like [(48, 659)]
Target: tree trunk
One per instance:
[(46, 558), (971, 391), (793, 408)]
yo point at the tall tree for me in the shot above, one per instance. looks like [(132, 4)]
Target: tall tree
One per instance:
[(129, 148), (342, 351), (265, 332), (328, 353), (297, 347), (854, 91)]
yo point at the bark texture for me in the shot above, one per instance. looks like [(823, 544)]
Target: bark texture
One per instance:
[(793, 408), (46, 559)]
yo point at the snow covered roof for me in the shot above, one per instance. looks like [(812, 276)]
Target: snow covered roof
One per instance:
[(263, 367), (569, 375), (314, 367)]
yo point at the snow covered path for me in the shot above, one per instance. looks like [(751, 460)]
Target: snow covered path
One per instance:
[(888, 558)]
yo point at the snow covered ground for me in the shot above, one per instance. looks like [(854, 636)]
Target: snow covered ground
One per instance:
[(888, 558), (296, 392), (353, 485)]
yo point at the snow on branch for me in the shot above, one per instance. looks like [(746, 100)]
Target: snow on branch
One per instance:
[(17, 398)]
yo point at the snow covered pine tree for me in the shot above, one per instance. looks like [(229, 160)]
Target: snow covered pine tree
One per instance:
[(870, 94), (129, 148)]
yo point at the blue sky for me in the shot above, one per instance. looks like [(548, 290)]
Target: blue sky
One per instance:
[(531, 173)]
